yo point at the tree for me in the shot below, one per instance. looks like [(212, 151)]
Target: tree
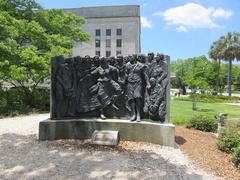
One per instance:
[(231, 51), (196, 78), (212, 76), (228, 49), (180, 67), (216, 54), (29, 37), (236, 76), (196, 73)]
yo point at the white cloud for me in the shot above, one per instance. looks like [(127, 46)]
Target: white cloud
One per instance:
[(145, 4), (193, 15), (221, 13), (146, 23), (157, 14), (181, 29)]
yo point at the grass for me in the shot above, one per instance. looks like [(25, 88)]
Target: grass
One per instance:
[(181, 111)]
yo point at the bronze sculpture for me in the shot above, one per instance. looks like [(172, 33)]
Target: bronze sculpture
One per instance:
[(133, 86), (107, 88), (136, 78), (155, 103)]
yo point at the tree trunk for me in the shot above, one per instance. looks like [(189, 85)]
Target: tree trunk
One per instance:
[(28, 96), (218, 75), (184, 91), (194, 100), (229, 80)]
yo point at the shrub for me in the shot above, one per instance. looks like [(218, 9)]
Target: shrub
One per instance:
[(3, 100), (229, 138), (236, 156), (203, 123), (41, 99), (14, 101)]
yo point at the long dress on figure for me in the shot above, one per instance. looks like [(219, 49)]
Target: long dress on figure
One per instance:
[(106, 88)]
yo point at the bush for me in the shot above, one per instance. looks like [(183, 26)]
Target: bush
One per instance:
[(14, 101), (203, 123), (236, 156), (41, 99), (229, 138), (3, 100)]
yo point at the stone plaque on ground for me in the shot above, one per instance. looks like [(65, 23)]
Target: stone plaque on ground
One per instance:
[(107, 138)]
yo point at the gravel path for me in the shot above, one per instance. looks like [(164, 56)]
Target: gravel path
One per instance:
[(22, 156)]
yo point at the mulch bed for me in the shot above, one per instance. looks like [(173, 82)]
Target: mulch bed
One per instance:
[(73, 144), (201, 148)]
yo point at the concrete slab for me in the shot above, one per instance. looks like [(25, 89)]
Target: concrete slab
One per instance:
[(163, 134)]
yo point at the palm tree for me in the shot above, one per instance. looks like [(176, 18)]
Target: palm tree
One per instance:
[(216, 54), (231, 51), (227, 48)]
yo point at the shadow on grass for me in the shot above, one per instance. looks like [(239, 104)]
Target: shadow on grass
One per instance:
[(24, 157)]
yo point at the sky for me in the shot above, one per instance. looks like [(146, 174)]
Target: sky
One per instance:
[(179, 28)]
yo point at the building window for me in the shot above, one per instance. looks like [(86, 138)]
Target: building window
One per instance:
[(98, 32), (119, 43), (108, 53), (97, 53), (108, 32), (118, 53), (119, 32), (108, 43), (97, 43)]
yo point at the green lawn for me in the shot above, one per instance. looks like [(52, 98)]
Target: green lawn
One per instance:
[(181, 111)]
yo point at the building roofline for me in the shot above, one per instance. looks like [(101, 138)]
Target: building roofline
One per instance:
[(85, 7), (112, 17), (106, 11)]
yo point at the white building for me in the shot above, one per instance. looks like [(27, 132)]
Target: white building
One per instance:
[(114, 30)]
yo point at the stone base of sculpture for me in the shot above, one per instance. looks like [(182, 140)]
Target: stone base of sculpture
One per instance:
[(163, 134)]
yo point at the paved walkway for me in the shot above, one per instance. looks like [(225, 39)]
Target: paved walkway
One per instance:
[(22, 156), (234, 104)]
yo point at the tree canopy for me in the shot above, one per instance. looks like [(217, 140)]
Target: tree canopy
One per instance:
[(227, 48), (30, 36), (202, 74)]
